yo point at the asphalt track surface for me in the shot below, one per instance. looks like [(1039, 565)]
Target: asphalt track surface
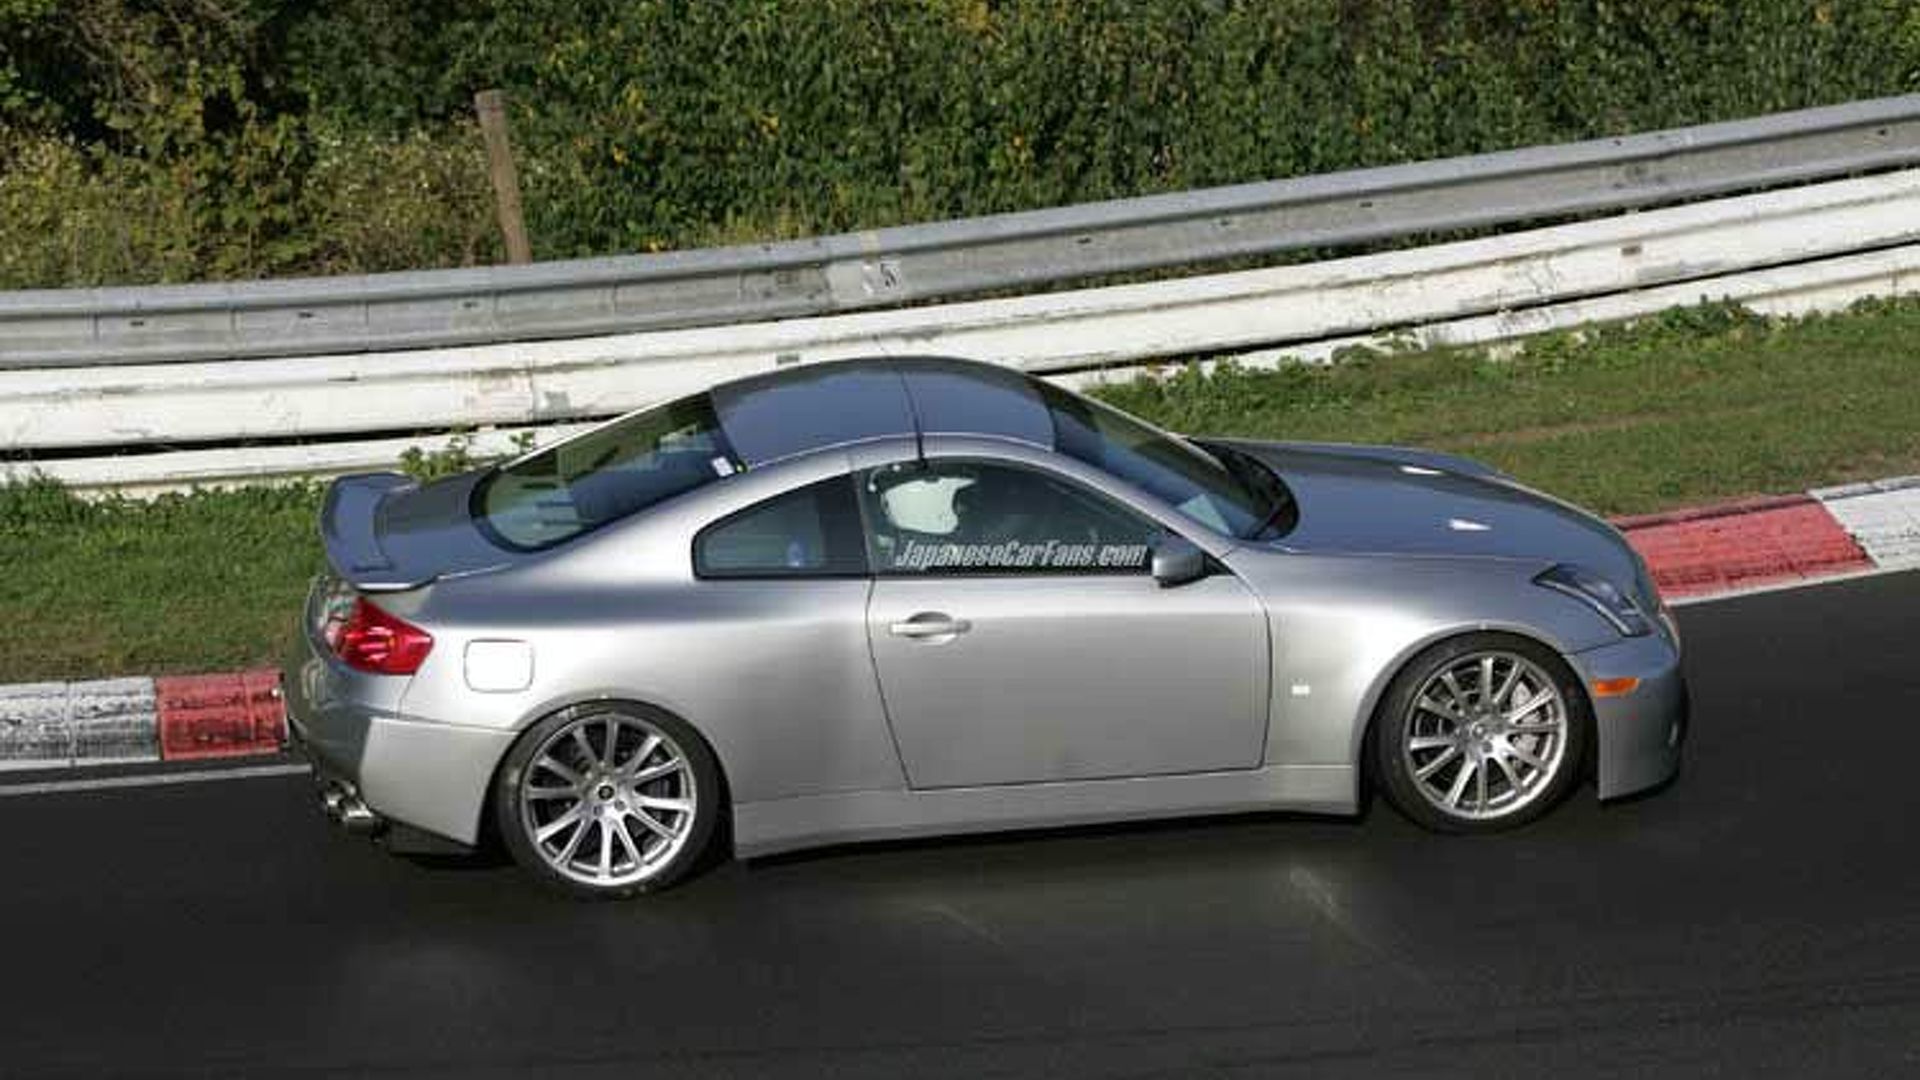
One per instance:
[(1760, 917)]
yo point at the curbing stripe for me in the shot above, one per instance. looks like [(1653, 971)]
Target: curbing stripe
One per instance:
[(1883, 516), (111, 720), (1708, 553), (55, 724), (33, 725), (235, 714), (1697, 553)]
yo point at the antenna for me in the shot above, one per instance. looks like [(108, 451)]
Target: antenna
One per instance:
[(913, 413)]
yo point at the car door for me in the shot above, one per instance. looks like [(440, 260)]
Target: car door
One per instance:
[(1019, 638), (769, 648)]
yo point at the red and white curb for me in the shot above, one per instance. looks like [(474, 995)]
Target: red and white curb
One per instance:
[(1693, 554), (1882, 515), (123, 721), (1781, 541)]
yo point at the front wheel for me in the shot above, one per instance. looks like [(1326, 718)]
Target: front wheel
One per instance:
[(1481, 733), (608, 801)]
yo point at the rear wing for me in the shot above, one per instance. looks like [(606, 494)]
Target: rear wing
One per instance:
[(349, 530)]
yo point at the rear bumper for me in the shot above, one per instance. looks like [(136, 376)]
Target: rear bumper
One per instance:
[(406, 771), (1639, 734)]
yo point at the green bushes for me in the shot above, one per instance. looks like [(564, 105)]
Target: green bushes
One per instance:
[(223, 138), (376, 202)]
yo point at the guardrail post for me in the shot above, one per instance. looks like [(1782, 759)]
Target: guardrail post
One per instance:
[(491, 105)]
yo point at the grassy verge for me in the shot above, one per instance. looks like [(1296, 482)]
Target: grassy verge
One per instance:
[(1696, 406), (204, 582)]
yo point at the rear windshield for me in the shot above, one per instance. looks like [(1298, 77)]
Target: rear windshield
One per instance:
[(572, 487)]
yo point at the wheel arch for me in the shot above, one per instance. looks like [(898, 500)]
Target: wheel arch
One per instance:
[(587, 703), (1368, 715)]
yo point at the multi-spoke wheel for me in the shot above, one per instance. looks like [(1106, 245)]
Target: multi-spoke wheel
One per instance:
[(1481, 732), (608, 801)]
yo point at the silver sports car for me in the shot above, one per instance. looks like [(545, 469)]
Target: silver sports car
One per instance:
[(898, 597)]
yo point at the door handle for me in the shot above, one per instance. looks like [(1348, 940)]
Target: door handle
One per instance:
[(930, 624)]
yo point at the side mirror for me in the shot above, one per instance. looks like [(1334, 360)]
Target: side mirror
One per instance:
[(1177, 561)]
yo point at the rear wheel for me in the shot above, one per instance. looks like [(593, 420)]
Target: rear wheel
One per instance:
[(608, 801), (1481, 733)]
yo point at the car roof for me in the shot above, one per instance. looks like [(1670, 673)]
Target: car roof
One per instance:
[(796, 410)]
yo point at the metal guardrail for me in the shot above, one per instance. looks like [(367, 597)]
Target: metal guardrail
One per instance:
[(1683, 253), (910, 264), (1800, 289)]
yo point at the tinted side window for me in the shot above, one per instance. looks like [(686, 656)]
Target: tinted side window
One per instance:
[(811, 532), (955, 517)]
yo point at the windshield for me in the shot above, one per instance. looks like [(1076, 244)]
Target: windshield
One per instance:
[(1242, 500), (553, 495)]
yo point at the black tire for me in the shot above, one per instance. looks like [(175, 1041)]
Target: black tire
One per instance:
[(1397, 729), (550, 743)]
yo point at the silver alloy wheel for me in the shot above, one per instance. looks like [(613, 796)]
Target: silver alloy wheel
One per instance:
[(608, 800), (1485, 736)]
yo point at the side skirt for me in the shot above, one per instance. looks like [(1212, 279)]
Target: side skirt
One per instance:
[(775, 825)]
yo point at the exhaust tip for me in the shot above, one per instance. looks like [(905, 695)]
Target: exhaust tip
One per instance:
[(345, 808), (358, 818)]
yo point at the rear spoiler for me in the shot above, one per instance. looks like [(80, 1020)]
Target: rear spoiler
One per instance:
[(349, 530)]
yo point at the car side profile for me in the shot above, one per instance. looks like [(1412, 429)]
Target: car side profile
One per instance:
[(903, 597)]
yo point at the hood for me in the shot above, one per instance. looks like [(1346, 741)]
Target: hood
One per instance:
[(385, 532), (1384, 500)]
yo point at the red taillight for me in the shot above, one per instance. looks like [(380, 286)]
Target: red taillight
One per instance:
[(373, 640)]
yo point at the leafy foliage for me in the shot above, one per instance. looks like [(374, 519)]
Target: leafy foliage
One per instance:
[(176, 139)]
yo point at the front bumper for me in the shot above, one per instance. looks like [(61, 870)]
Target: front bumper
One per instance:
[(411, 772), (1639, 734)]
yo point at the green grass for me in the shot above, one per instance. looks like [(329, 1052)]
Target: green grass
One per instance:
[(203, 582), (1695, 406), (1702, 404)]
